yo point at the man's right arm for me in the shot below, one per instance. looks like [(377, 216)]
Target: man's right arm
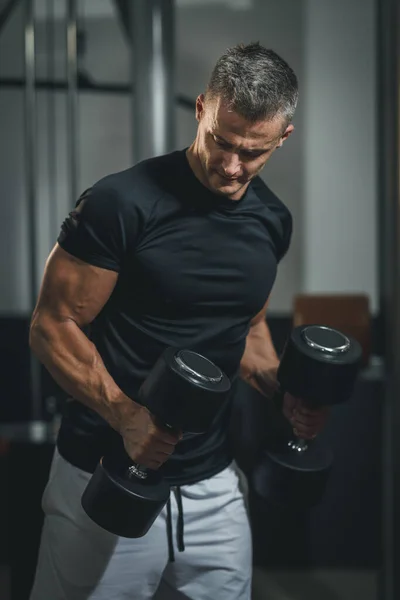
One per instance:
[(72, 294)]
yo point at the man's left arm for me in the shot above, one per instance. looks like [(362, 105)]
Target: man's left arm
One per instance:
[(259, 367)]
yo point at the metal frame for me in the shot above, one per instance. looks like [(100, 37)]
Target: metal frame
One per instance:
[(388, 132), (6, 12), (72, 98), (153, 68), (123, 14), (51, 118), (31, 188), (85, 85)]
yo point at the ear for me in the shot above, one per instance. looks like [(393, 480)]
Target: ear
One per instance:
[(200, 106), (288, 131)]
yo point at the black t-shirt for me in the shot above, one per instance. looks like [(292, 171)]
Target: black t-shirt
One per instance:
[(194, 269)]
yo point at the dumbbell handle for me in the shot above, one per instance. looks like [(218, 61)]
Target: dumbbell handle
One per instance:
[(138, 471), (298, 445)]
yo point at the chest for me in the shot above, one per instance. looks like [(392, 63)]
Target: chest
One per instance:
[(197, 262)]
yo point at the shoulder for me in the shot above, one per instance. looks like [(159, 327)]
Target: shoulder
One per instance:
[(271, 200), (137, 188), (279, 214)]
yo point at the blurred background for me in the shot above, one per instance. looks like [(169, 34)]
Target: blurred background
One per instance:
[(88, 87)]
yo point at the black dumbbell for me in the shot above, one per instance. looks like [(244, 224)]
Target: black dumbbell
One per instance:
[(319, 364), (184, 391)]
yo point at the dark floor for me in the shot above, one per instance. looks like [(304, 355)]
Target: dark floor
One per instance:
[(314, 585), (5, 592)]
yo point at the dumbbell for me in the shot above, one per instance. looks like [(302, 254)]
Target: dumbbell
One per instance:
[(184, 391), (319, 364)]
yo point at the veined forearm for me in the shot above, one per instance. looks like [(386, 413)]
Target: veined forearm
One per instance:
[(260, 362), (77, 367)]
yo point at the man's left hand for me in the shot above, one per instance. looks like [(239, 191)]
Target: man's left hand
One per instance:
[(306, 423)]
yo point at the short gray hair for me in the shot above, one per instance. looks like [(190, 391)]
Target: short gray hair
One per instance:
[(255, 82)]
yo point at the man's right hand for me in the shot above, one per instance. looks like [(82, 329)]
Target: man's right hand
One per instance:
[(146, 442)]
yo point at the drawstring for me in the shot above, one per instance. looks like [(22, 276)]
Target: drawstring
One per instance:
[(180, 529), (179, 533), (169, 533)]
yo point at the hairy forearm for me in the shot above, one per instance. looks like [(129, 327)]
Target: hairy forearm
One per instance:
[(75, 364), (260, 362)]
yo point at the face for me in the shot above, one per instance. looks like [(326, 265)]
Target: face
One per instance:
[(230, 151)]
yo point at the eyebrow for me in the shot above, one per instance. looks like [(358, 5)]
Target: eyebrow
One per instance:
[(246, 150)]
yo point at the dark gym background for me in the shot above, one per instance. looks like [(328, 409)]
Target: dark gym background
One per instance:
[(75, 83)]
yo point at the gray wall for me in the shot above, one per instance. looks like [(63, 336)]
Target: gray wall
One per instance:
[(340, 196), (325, 173)]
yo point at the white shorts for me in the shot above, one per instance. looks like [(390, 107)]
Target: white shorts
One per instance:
[(80, 561)]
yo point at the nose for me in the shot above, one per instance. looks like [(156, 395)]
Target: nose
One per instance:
[(231, 165)]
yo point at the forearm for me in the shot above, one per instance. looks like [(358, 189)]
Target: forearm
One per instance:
[(75, 364), (260, 361)]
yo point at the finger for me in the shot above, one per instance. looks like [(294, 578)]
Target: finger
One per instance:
[(311, 421), (304, 434), (166, 432), (307, 430), (154, 464), (151, 451), (287, 413), (307, 421), (319, 413), (171, 431), (289, 401), (145, 462), (312, 412), (162, 450), (168, 437), (289, 406), (152, 460), (306, 409)]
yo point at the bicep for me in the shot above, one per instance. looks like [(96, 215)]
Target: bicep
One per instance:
[(73, 289)]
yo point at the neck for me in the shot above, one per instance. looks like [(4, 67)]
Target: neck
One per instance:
[(195, 164)]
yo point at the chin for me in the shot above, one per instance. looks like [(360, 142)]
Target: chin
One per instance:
[(229, 190), (221, 186)]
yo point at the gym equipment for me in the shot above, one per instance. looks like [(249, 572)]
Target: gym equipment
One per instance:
[(184, 391), (319, 364)]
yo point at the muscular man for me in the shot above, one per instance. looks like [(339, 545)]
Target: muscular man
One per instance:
[(180, 250)]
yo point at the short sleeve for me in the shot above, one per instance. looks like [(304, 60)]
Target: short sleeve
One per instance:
[(284, 230), (100, 228), (280, 218)]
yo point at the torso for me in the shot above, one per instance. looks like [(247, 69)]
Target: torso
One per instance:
[(202, 267)]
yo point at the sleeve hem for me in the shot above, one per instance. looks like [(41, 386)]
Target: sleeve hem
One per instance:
[(90, 259)]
